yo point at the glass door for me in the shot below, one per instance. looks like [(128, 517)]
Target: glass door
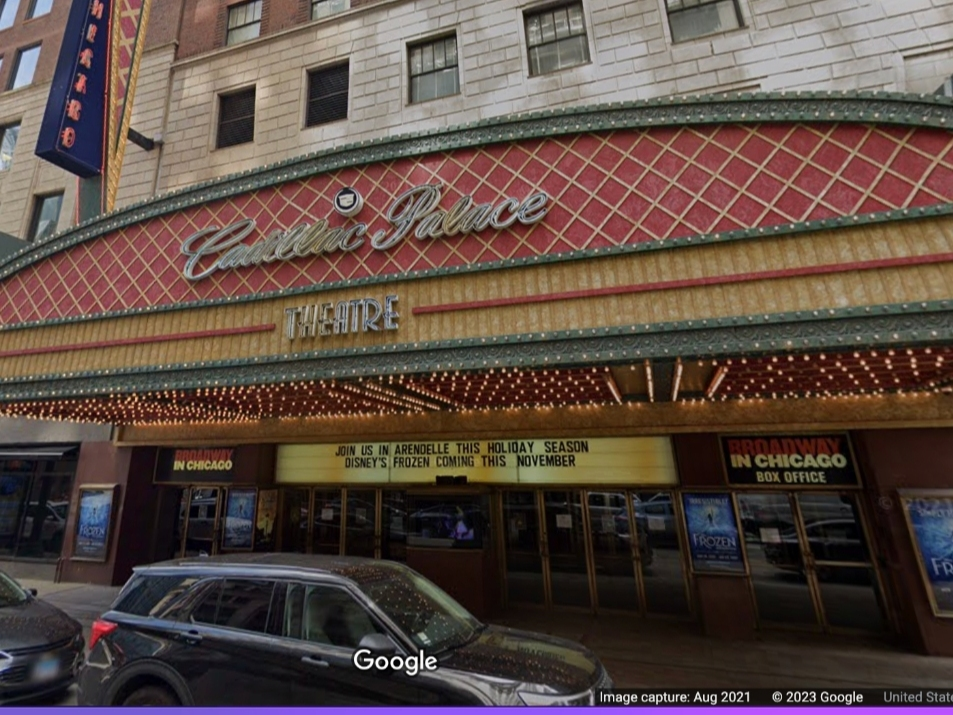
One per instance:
[(326, 522), (779, 576), (659, 554), (839, 561), (202, 527), (523, 556), (360, 537), (566, 548), (614, 560), (295, 516)]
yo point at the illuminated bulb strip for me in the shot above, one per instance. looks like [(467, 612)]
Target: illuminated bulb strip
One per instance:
[(613, 388), (651, 383), (716, 381), (677, 381)]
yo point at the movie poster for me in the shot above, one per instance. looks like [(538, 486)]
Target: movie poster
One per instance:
[(265, 522), (239, 519), (93, 524), (713, 533), (931, 521)]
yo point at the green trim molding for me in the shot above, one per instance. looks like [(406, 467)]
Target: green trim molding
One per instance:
[(737, 108), (892, 325)]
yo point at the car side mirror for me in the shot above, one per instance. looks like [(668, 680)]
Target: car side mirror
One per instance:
[(32, 592), (377, 644)]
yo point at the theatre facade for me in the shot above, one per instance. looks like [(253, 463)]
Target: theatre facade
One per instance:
[(687, 358)]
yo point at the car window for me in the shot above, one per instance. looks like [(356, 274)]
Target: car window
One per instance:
[(237, 603), (205, 610), (153, 596), (327, 615)]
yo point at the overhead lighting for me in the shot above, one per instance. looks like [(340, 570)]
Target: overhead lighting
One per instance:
[(716, 381), (677, 379)]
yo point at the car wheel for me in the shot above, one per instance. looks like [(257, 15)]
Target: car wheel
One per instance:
[(151, 695)]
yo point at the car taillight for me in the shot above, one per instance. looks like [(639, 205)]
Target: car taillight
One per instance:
[(100, 629)]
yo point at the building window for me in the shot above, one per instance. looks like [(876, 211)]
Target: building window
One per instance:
[(433, 69), (236, 118), (327, 95), (325, 8), (244, 22), (24, 66), (695, 18), (556, 38), (39, 8), (46, 215), (8, 13), (8, 142)]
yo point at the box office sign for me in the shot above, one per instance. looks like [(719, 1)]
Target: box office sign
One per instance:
[(191, 465), (815, 460)]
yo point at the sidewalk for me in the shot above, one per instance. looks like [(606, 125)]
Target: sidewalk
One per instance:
[(654, 653)]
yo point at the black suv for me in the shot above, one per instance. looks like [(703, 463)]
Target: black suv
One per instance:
[(292, 629)]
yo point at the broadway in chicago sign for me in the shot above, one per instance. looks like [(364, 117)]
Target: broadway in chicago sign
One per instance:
[(789, 460), (183, 466)]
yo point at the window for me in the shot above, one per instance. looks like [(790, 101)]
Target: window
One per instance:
[(24, 67), (46, 214), (327, 95), (324, 8), (556, 39), (8, 142), (244, 22), (946, 89), (153, 595), (39, 7), (8, 13), (433, 69), (244, 605), (695, 18), (236, 118), (327, 615)]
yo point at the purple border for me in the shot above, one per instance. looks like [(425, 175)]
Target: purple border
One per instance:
[(50, 710)]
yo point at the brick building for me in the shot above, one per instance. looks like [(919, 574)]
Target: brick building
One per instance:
[(627, 306)]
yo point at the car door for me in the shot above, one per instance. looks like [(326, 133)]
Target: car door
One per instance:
[(228, 657), (322, 628)]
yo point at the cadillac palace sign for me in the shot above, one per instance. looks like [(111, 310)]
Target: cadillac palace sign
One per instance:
[(414, 213)]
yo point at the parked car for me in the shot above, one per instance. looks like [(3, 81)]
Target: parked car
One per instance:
[(41, 648), (53, 516), (285, 629)]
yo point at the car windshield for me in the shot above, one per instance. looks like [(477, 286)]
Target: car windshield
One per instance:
[(10, 593), (427, 615)]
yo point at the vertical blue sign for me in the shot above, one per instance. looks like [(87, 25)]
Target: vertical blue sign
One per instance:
[(713, 533), (73, 132)]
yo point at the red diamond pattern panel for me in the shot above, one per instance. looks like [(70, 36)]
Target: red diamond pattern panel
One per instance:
[(617, 188)]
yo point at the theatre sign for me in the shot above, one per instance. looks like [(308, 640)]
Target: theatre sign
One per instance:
[(415, 212)]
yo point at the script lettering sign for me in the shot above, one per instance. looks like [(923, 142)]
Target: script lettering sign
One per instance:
[(415, 212)]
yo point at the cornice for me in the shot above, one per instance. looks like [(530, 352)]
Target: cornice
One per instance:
[(907, 324)]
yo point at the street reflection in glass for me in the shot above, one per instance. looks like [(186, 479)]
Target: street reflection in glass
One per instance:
[(663, 574)]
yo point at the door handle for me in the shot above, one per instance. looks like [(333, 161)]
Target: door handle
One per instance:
[(192, 637), (315, 660)]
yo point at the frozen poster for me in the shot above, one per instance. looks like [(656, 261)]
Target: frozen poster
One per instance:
[(931, 520), (239, 519), (92, 528), (713, 533)]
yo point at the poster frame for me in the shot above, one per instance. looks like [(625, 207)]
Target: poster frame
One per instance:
[(694, 570), (857, 485), (258, 512), (905, 495), (236, 491), (113, 491)]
